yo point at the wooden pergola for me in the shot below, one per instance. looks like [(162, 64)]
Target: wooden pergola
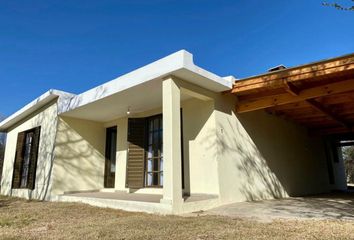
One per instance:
[(318, 95)]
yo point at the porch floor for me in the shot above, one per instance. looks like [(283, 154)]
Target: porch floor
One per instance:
[(138, 197)]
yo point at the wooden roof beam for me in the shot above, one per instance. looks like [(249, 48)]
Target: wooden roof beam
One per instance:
[(319, 69), (247, 105), (292, 89), (328, 131), (328, 113)]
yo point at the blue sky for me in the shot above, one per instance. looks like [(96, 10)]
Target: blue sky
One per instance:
[(76, 45)]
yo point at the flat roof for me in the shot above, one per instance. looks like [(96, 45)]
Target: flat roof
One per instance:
[(179, 64)]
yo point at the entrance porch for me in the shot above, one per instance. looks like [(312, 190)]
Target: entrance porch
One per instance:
[(152, 153), (140, 202)]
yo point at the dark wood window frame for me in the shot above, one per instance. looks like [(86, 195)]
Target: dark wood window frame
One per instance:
[(27, 151), (155, 146), (110, 157), (160, 171), (25, 165), (138, 148)]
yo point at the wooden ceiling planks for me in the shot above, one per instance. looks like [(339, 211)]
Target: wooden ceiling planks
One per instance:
[(319, 96)]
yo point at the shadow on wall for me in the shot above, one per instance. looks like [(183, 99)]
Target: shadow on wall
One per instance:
[(243, 171), (198, 152), (296, 160), (74, 102), (79, 157), (45, 159), (269, 157), (69, 158), (261, 156), (256, 178), (75, 153), (46, 118)]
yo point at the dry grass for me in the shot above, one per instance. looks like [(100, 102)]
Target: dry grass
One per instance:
[(21, 219)]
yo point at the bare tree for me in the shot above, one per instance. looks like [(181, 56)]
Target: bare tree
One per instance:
[(339, 6), (348, 156), (2, 147)]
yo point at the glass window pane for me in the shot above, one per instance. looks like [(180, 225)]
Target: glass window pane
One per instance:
[(149, 179), (161, 178), (113, 152), (156, 139), (149, 165), (151, 125), (156, 123), (156, 164), (113, 167), (150, 138), (161, 164), (26, 159), (150, 152), (156, 179)]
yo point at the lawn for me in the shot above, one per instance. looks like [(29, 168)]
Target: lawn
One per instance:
[(21, 219)]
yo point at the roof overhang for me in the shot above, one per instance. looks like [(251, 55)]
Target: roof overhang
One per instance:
[(318, 95), (33, 106), (112, 98), (179, 64)]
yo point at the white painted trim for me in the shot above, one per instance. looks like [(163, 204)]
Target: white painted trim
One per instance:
[(35, 105), (179, 64)]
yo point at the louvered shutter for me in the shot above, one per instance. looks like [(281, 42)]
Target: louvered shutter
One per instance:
[(33, 158), (16, 178), (136, 152)]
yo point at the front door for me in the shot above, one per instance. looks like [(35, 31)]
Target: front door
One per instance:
[(110, 165)]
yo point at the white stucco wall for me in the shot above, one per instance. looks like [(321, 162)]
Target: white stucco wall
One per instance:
[(79, 156), (46, 117)]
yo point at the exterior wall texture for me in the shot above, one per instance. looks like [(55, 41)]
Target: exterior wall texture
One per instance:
[(79, 156), (199, 147), (46, 117), (261, 156)]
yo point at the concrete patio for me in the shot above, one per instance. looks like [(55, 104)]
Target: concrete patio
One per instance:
[(139, 197), (334, 206), (139, 202)]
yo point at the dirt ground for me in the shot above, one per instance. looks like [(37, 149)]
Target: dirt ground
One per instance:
[(21, 219)]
